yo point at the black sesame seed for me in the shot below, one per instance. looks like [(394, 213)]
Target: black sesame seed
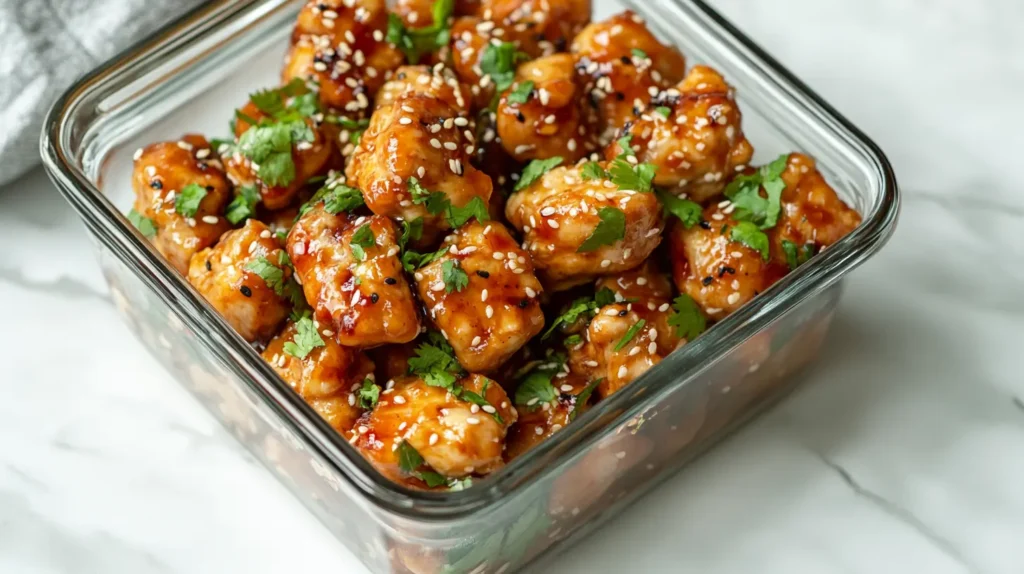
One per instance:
[(390, 280), (626, 60), (623, 313), (374, 298), (246, 291), (483, 274), (520, 117), (156, 184), (209, 188), (705, 225), (524, 303), (620, 96), (208, 266), (708, 280)]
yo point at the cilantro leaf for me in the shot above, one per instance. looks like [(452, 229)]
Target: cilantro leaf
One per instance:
[(685, 210), (187, 201), (306, 339), (243, 206), (632, 177), (630, 334), (411, 231), (572, 340), (416, 42), (665, 111), (435, 362), (436, 202), (145, 225), (458, 216), (336, 198), (269, 146), (369, 394), (745, 193), (687, 317), (640, 54), (455, 279), (456, 485), (412, 260), (612, 228), (536, 389), (499, 62), (362, 240), (593, 170), (409, 459), (583, 398), (271, 274), (580, 307), (473, 398), (521, 94), (797, 256), (535, 170), (747, 233)]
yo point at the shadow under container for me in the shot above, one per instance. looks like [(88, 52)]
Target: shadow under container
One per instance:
[(565, 487)]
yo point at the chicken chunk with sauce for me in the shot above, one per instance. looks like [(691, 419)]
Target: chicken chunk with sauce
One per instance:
[(559, 216), (329, 377), (455, 437), (699, 145), (352, 277), (160, 176), (247, 280), (483, 295)]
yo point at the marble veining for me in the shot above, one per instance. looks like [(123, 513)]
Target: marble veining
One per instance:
[(903, 452)]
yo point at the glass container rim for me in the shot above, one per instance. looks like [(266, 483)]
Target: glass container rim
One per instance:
[(684, 364)]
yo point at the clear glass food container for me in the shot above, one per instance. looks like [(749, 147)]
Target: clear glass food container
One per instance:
[(191, 75)]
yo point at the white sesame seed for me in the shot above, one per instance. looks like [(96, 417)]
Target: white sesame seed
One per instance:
[(137, 154), (211, 219), (623, 371), (399, 400), (472, 420), (652, 348), (489, 311), (590, 363), (733, 298), (405, 121), (552, 223), (483, 296), (435, 143), (433, 439), (476, 341), (664, 307), (530, 292), (634, 351), (606, 263)]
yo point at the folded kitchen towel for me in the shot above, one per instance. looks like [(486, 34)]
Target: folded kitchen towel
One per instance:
[(45, 45)]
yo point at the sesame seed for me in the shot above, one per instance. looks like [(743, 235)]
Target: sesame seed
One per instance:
[(137, 154), (552, 223), (211, 219), (435, 143), (483, 296), (489, 311), (476, 341), (530, 292), (451, 146), (622, 371), (405, 121), (433, 439), (472, 420), (634, 351), (736, 254), (606, 263), (547, 211), (399, 400), (590, 363), (538, 430), (664, 307), (734, 298)]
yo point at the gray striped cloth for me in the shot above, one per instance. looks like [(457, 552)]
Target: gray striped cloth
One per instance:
[(45, 45)]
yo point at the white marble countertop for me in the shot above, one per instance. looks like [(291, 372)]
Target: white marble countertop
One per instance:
[(904, 452)]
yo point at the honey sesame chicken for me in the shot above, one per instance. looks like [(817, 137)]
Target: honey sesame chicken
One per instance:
[(328, 377), (354, 283), (161, 174), (418, 143), (692, 135), (559, 214), (341, 46), (544, 113), (455, 437), (720, 274), (483, 295), (448, 224), (625, 66), (244, 279)]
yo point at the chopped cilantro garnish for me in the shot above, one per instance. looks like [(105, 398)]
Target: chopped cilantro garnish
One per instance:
[(243, 206), (187, 201), (612, 228), (434, 201), (416, 42), (458, 216), (480, 401), (580, 307), (435, 362), (572, 340), (306, 339), (745, 193), (455, 279), (437, 203), (362, 240), (369, 394), (271, 274), (747, 233), (536, 389), (630, 334), (687, 318), (499, 62), (455, 484), (626, 176), (410, 460), (593, 170), (411, 231), (268, 142), (583, 398), (797, 255), (685, 210), (412, 260), (521, 94), (665, 111), (535, 170), (639, 54), (145, 225)]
